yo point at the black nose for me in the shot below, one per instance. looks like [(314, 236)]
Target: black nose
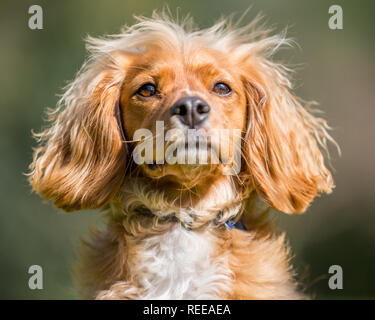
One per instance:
[(191, 111)]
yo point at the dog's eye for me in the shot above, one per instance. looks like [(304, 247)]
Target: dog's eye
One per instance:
[(147, 90), (222, 89)]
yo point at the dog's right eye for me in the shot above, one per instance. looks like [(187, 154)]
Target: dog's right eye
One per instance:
[(147, 90), (222, 89)]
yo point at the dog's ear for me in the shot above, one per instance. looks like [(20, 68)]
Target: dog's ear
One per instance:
[(80, 162), (282, 145)]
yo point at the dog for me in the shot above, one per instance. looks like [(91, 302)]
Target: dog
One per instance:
[(181, 230)]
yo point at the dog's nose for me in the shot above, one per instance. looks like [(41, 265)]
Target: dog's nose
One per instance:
[(191, 111)]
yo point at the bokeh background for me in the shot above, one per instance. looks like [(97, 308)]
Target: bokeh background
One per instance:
[(335, 68)]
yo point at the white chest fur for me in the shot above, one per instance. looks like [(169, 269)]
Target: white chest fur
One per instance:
[(179, 265)]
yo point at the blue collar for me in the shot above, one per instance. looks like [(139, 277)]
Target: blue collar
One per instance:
[(238, 225), (230, 224)]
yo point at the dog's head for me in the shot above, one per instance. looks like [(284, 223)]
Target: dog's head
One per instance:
[(156, 85)]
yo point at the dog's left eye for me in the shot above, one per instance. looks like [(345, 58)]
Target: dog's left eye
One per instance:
[(147, 90), (222, 89)]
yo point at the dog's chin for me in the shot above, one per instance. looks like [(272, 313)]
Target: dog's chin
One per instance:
[(185, 174)]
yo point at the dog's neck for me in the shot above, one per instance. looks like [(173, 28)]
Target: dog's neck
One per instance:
[(142, 200), (169, 260)]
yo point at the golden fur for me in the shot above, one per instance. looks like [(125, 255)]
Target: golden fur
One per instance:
[(81, 162)]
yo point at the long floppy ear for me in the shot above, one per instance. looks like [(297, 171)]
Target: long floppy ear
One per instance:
[(80, 162), (283, 139)]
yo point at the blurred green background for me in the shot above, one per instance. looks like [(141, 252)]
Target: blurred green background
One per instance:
[(335, 68)]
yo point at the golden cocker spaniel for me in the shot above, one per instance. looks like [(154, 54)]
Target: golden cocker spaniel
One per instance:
[(175, 229)]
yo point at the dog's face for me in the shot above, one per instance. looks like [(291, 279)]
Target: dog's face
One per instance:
[(213, 79), (197, 91)]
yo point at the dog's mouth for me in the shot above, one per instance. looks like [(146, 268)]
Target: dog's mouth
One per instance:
[(186, 161), (193, 153)]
